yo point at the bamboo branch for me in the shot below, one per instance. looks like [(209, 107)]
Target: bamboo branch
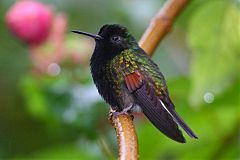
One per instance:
[(159, 26)]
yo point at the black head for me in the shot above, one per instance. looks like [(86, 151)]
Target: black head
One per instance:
[(111, 39)]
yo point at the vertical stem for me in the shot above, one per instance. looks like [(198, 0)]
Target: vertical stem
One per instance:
[(126, 136)]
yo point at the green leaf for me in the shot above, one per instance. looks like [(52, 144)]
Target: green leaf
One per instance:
[(214, 33), (36, 104)]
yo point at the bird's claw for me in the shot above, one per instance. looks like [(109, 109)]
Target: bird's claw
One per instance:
[(116, 113), (124, 111)]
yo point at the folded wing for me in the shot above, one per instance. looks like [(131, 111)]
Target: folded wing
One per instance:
[(160, 113)]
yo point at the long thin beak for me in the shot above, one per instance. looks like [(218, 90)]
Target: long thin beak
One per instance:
[(95, 36)]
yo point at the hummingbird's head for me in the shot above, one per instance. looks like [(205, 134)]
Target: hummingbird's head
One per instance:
[(116, 36), (111, 39)]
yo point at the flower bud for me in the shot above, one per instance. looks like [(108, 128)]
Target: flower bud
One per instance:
[(30, 21)]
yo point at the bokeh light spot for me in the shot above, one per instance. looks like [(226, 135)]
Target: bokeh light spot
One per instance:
[(53, 69), (208, 97)]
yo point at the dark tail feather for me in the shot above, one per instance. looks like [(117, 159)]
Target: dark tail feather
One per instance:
[(178, 119), (154, 111)]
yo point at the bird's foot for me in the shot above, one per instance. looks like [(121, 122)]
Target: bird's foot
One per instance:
[(124, 111)]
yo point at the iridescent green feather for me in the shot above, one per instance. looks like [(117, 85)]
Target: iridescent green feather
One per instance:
[(131, 60)]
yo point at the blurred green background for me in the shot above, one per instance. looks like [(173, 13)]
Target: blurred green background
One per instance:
[(61, 116)]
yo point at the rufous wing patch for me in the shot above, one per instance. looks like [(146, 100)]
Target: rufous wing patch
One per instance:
[(134, 80)]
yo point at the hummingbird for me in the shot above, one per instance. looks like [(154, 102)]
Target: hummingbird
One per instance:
[(128, 79)]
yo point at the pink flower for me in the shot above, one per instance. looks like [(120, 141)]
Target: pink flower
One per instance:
[(30, 21)]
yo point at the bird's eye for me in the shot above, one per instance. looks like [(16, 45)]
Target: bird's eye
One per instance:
[(115, 38)]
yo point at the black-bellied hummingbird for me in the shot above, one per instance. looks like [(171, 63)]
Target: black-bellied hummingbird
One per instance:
[(127, 78)]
